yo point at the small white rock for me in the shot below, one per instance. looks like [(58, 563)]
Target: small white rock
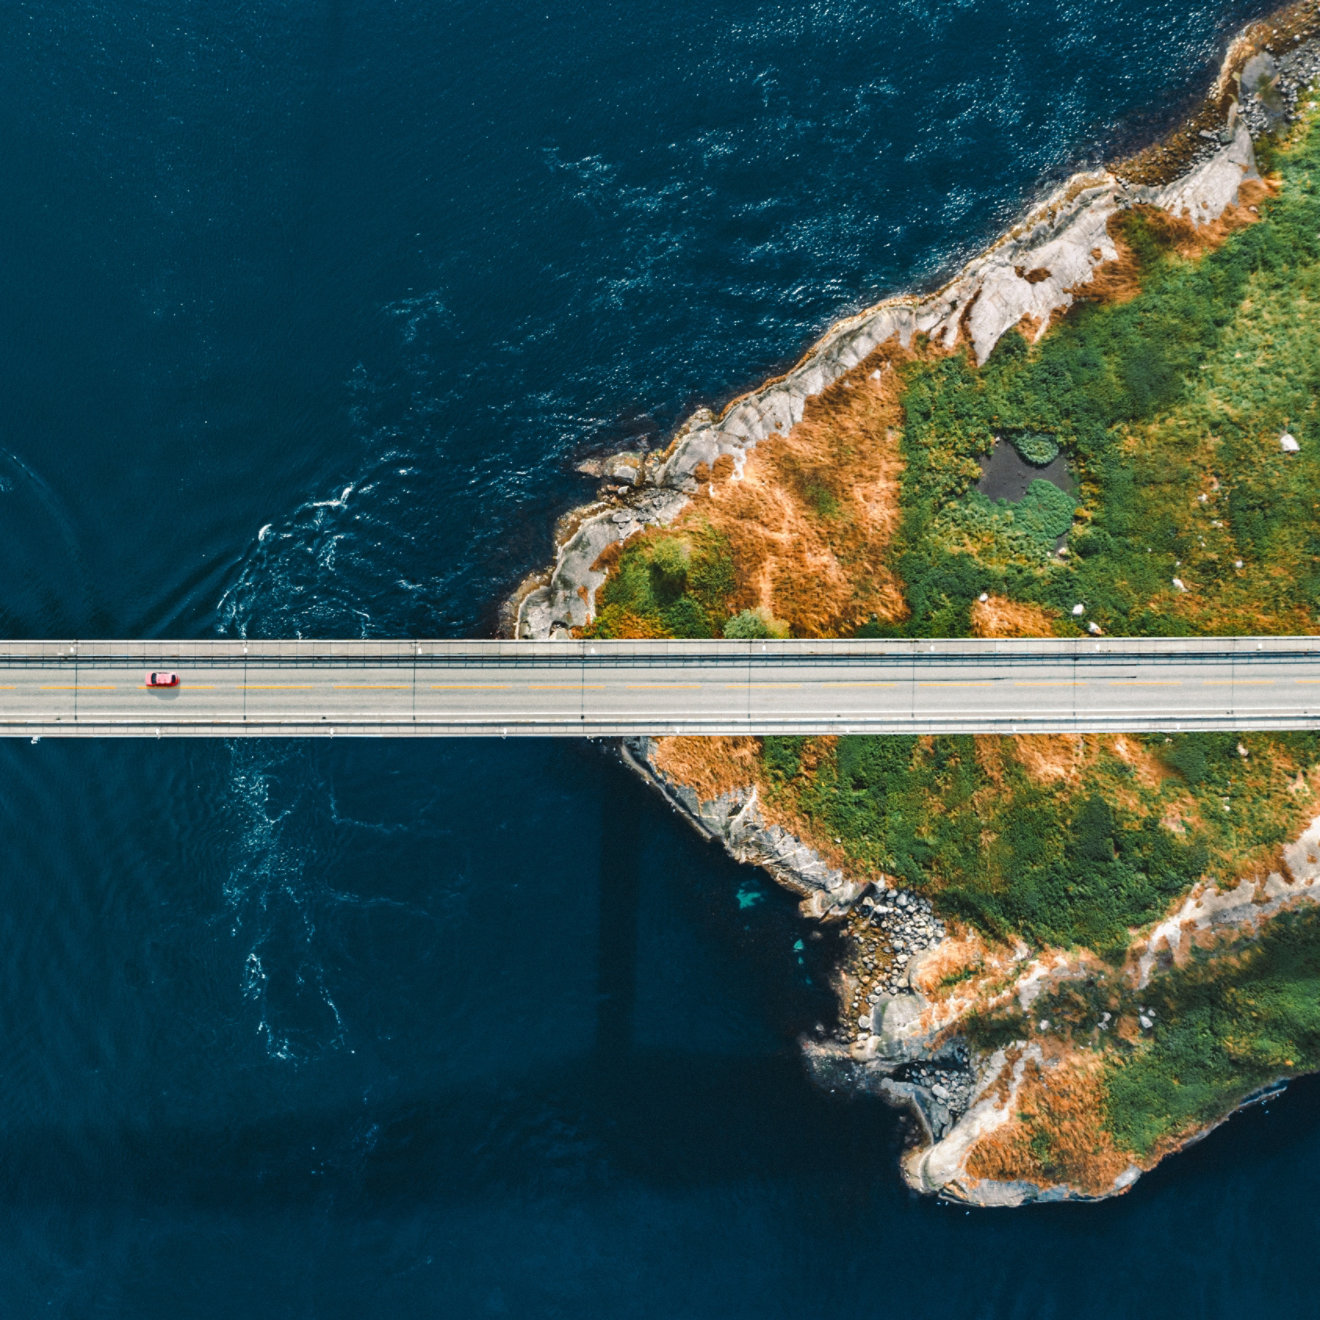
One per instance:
[(983, 597), (1093, 628), (1288, 443), (1178, 584), (1078, 611), (1237, 563)]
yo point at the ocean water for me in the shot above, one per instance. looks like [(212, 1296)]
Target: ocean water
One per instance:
[(308, 313)]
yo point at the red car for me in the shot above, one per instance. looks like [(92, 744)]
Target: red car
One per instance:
[(162, 678)]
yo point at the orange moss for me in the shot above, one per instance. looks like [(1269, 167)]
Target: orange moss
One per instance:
[(711, 766), (810, 522), (997, 616), (1056, 1133), (1050, 758)]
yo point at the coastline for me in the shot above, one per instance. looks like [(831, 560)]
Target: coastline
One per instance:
[(905, 1046), (1029, 275)]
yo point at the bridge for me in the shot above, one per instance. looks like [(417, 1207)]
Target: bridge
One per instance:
[(416, 687)]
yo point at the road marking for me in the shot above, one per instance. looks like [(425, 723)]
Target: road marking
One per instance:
[(564, 687), (376, 687), (1306, 680), (468, 687)]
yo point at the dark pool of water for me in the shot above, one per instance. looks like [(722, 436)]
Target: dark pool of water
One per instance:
[(1005, 474)]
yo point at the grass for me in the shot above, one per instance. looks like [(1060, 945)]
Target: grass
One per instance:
[(668, 586), (1223, 1029), (1180, 391), (988, 828)]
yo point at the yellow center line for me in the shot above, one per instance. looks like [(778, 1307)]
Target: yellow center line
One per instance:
[(875, 683), (468, 687), (1306, 680), (564, 687)]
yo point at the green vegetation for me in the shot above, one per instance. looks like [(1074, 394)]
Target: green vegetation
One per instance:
[(1180, 392), (673, 586), (752, 625), (1034, 447), (1028, 528), (1223, 1029), (1018, 853)]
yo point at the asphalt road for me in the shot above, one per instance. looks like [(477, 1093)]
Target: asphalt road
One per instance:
[(431, 688)]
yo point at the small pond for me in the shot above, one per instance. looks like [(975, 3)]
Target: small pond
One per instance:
[(1005, 474)]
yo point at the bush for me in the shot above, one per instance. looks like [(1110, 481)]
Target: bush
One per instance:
[(782, 757), (669, 569), (1035, 447), (749, 625)]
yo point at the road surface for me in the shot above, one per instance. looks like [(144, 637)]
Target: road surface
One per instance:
[(435, 688)]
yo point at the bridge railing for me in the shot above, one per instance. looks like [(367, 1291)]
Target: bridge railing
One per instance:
[(423, 652)]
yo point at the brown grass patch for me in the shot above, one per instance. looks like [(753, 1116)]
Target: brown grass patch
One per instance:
[(1057, 1133), (1148, 768), (710, 766), (1050, 758), (1119, 280), (811, 520), (998, 616)]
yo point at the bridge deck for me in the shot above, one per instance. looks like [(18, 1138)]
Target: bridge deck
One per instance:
[(432, 688)]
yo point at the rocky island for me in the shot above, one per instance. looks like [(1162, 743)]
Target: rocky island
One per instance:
[(1066, 957)]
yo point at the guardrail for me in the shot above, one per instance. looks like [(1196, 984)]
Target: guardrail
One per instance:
[(424, 653)]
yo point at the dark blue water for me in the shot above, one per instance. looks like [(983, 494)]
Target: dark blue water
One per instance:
[(308, 311)]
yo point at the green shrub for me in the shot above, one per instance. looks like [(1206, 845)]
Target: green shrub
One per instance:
[(1035, 447), (749, 625), (1221, 1030), (782, 757), (669, 569)]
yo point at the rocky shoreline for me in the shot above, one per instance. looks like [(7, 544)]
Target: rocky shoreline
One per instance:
[(1024, 279), (897, 1038)]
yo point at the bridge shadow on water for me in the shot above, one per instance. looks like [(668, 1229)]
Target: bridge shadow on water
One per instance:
[(668, 1116)]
